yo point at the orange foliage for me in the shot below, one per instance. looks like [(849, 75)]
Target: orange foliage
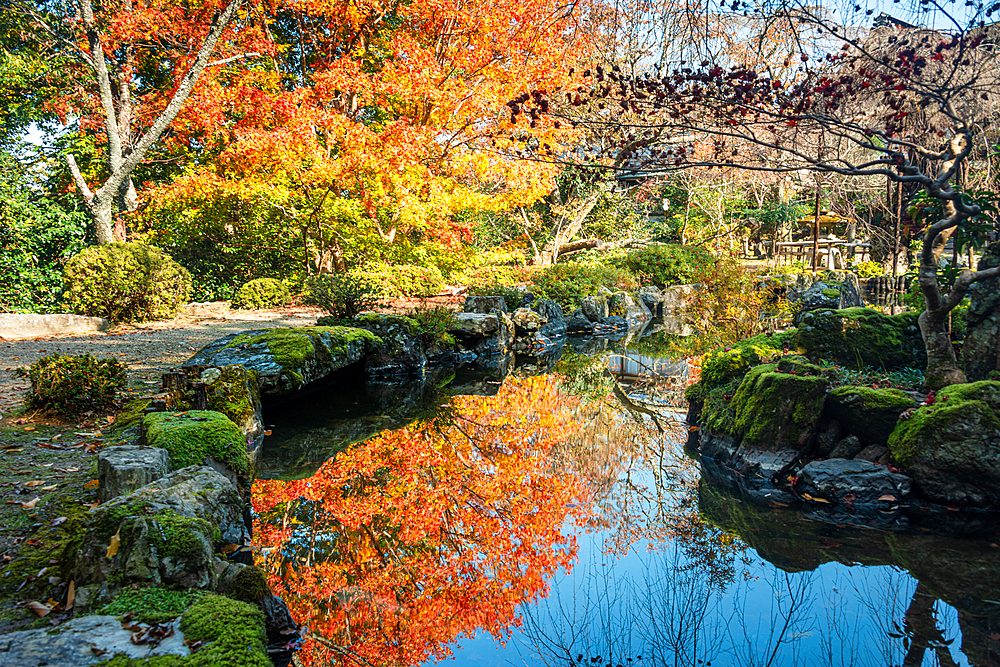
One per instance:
[(398, 546)]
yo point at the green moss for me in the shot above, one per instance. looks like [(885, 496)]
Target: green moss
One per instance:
[(192, 436), (716, 412), (952, 405), (235, 393), (860, 337), (875, 399), (233, 633), (798, 365), (250, 585), (831, 293), (153, 604), (180, 533), (292, 346), (770, 408), (720, 366)]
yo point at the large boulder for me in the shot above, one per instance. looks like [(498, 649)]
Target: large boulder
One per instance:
[(982, 337), (858, 482), (485, 304), (554, 320), (578, 323), (486, 334), (595, 308), (870, 414), (288, 358), (162, 533), (830, 295), (770, 410), (122, 470), (626, 306), (402, 349), (859, 337), (951, 447)]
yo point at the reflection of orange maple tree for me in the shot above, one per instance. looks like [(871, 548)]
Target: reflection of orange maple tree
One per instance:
[(396, 547)]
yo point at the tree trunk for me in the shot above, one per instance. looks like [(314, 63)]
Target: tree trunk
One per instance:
[(103, 220)]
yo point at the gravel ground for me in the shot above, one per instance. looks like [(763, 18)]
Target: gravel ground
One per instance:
[(146, 349)]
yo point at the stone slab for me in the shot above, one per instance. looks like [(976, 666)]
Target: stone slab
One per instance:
[(16, 325), (82, 641)]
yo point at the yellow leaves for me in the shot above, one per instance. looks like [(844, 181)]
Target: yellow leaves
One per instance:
[(113, 546)]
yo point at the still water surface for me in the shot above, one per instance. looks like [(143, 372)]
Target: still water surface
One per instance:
[(555, 520)]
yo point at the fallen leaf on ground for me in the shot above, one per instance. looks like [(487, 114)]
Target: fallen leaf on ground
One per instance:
[(51, 487), (39, 608), (814, 499), (49, 445), (229, 548), (34, 482), (887, 498), (70, 595), (30, 504), (115, 541)]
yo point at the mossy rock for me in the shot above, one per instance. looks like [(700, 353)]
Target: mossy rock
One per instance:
[(250, 585), (152, 604), (861, 337), (234, 393), (232, 631), (191, 437), (951, 447), (770, 410), (720, 366), (870, 414), (288, 358)]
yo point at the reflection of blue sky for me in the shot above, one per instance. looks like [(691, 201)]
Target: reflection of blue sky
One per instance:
[(647, 604), (656, 603)]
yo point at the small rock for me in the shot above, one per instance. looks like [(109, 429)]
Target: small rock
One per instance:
[(526, 320), (210, 375), (595, 308), (122, 470), (828, 438), (860, 482), (485, 304), (847, 448), (873, 453), (578, 323)]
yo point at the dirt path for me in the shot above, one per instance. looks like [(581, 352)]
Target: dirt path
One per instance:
[(146, 349)]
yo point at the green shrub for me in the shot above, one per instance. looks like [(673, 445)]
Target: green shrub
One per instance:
[(433, 324), (261, 293), (73, 385), (125, 282), (343, 296), (666, 265), (512, 296), (480, 276), (568, 284), (402, 280)]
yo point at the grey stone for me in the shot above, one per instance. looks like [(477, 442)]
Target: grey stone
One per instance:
[(595, 308), (626, 306), (478, 325), (982, 339), (526, 320), (578, 323), (676, 298), (15, 325), (553, 319), (847, 448), (197, 492), (611, 323), (485, 304), (821, 295), (649, 295), (122, 470), (210, 375), (872, 453), (402, 351), (233, 391), (85, 640), (860, 482), (329, 349), (828, 437)]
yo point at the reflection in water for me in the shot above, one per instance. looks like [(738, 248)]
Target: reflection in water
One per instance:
[(402, 547), (396, 547)]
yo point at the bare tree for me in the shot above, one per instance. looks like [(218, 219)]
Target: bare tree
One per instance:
[(906, 104)]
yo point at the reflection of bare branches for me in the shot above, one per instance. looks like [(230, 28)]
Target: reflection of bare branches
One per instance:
[(788, 619)]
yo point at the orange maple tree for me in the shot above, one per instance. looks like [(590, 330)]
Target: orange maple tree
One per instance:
[(399, 106), (397, 546)]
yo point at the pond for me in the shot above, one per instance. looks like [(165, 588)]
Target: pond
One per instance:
[(560, 517)]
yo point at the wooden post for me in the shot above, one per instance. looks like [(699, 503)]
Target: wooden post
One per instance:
[(895, 233), (815, 262)]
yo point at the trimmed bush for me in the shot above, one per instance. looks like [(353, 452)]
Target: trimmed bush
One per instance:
[(666, 265), (73, 385), (342, 296), (568, 284), (125, 282), (402, 280), (261, 293)]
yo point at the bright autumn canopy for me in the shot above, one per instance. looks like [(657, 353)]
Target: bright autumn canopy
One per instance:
[(380, 123), (396, 547)]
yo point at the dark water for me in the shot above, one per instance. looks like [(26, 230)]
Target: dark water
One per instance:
[(650, 565)]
